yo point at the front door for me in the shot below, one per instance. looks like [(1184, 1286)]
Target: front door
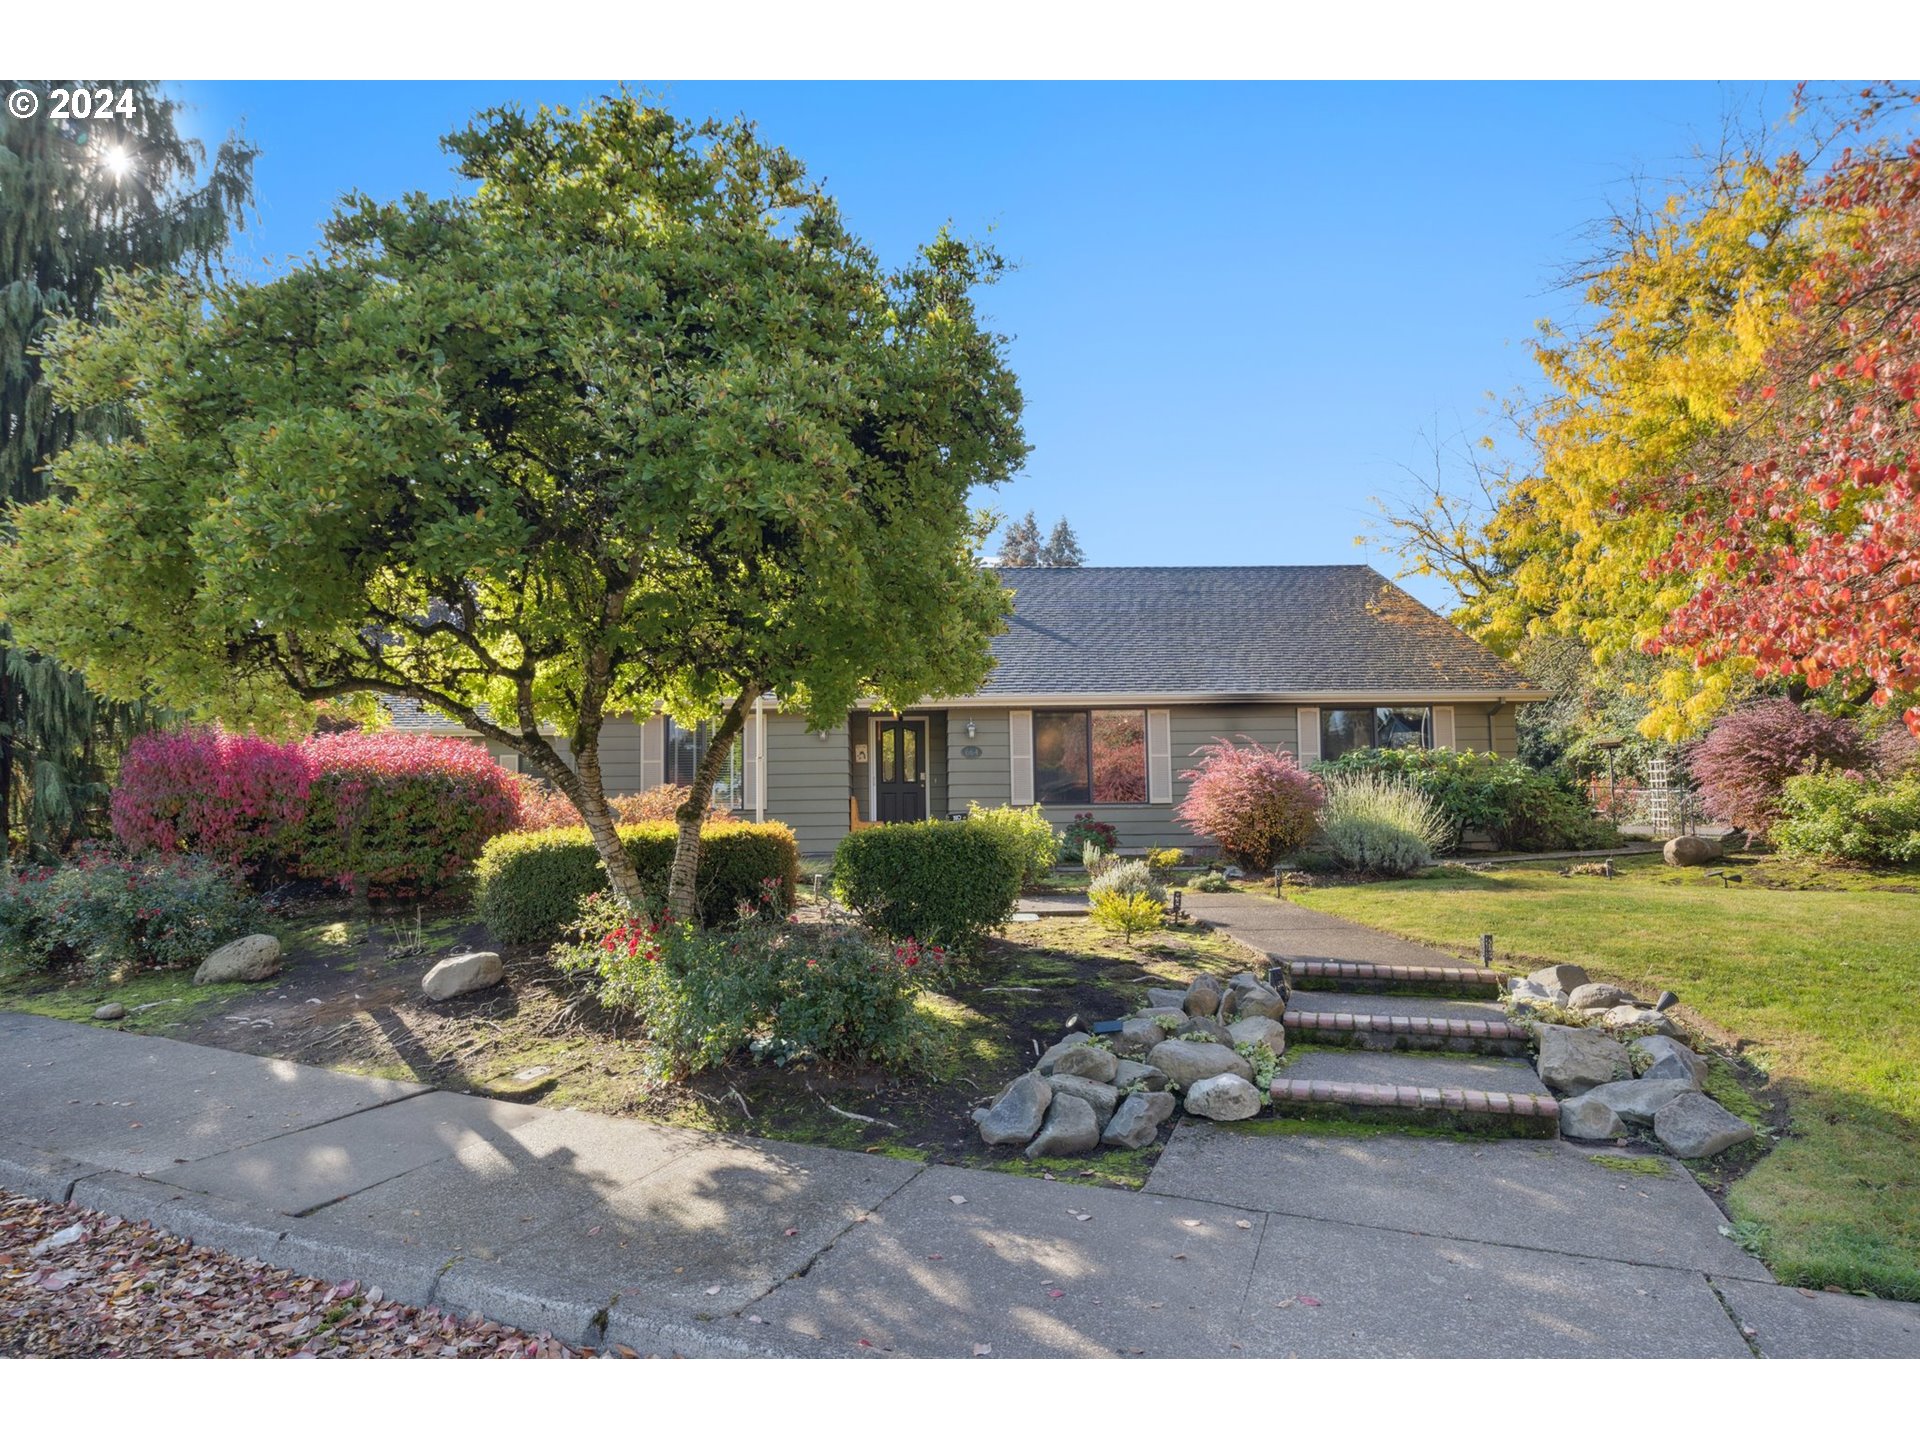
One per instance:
[(900, 783)]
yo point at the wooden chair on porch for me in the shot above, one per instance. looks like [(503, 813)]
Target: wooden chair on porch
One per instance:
[(854, 822)]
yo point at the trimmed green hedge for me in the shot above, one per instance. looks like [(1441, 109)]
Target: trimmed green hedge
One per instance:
[(529, 885), (937, 881)]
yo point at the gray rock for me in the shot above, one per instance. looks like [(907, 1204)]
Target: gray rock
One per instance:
[(1585, 1117), (1166, 999), (1205, 1027), (1069, 1129), (1525, 996), (1138, 1120), (1046, 1062), (1621, 1017), (1128, 1074), (476, 970), (1223, 1097), (1137, 1037), (1565, 978), (1092, 1062), (1234, 872), (1203, 996), (1690, 850), (1015, 1117), (1259, 1030), (251, 957), (1661, 1057), (112, 1010), (1187, 1062), (1171, 1013), (1595, 996), (1104, 1099), (1261, 1000), (1573, 1060), (1694, 1127), (1639, 1099), (1245, 980)]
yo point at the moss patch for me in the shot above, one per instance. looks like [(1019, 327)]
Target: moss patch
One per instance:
[(1634, 1165)]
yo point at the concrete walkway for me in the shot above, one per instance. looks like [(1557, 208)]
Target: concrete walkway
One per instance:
[(616, 1231)]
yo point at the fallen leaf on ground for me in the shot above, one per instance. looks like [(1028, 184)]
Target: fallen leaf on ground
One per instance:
[(958, 1199), (1244, 1224), (983, 1349)]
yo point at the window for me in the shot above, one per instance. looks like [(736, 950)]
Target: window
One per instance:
[(684, 749), (1090, 757), (1388, 727)]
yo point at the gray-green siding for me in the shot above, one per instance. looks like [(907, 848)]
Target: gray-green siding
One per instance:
[(809, 777)]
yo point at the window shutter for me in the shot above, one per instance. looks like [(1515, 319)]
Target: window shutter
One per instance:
[(1309, 742), (1020, 750), (653, 753), (1159, 757), (1443, 727)]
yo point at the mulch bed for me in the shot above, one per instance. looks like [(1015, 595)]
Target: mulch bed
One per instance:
[(76, 1283)]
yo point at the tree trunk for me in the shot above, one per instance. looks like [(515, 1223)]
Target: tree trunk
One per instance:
[(683, 901), (585, 789)]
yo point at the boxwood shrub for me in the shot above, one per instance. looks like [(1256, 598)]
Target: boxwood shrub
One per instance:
[(936, 881), (529, 885)]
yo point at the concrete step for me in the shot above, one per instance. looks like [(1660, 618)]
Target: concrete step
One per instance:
[(1439, 1107), (1467, 982), (1405, 1032)]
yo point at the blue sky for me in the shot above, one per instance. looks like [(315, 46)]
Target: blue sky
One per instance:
[(1238, 309)]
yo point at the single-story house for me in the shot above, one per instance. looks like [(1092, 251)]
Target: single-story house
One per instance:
[(1106, 681)]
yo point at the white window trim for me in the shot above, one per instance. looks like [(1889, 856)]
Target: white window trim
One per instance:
[(1308, 744), (653, 753), (1443, 738)]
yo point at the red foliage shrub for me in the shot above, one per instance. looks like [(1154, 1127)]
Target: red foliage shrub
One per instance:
[(233, 798), (1742, 763), (544, 808), (1257, 803), (400, 812)]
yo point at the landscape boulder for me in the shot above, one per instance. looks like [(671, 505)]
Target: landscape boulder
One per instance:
[(1259, 1030), (1525, 996), (1138, 1120), (1015, 1117), (1166, 999), (1137, 1036), (251, 957), (1623, 1017), (1690, 850), (1583, 1117), (1260, 1000), (1694, 1127), (1564, 978), (1094, 1062), (1223, 1097), (1187, 1062), (1068, 1130), (1639, 1100), (1054, 1052), (1203, 996), (1205, 1027), (476, 970), (1661, 1057), (1103, 1098), (1130, 1074), (1573, 1060), (1595, 996), (112, 1010)]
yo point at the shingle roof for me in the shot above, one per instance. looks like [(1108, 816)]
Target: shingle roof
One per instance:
[(1232, 630)]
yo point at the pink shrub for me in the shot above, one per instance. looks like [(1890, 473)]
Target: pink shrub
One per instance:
[(1742, 763), (234, 798), (401, 812), (544, 808), (1257, 803)]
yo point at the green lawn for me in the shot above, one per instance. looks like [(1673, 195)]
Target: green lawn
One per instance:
[(1823, 985)]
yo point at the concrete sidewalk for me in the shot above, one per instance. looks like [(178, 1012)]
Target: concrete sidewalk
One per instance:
[(614, 1231)]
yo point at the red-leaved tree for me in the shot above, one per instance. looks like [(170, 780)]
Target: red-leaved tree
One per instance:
[(1804, 523), (1743, 763), (1258, 804)]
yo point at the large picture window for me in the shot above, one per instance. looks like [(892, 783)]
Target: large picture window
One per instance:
[(1090, 757), (1386, 727), (684, 749)]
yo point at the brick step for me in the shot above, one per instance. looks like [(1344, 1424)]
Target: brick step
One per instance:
[(1443, 1107), (1406, 1032), (1458, 981)]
